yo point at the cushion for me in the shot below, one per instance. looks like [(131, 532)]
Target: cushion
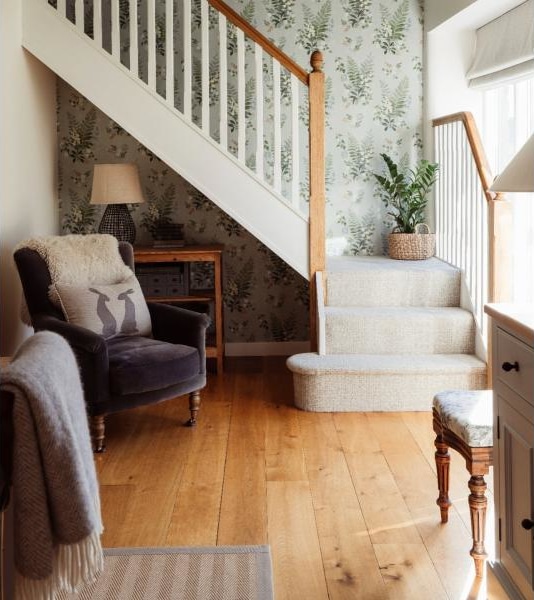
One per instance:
[(109, 310), (138, 364), (468, 414)]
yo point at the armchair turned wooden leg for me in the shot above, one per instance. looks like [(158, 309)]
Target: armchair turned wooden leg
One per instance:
[(98, 429), (477, 507), (443, 461), (194, 406)]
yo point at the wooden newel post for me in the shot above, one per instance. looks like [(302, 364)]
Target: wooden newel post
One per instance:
[(317, 183)]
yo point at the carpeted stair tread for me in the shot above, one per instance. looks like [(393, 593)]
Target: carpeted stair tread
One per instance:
[(380, 281), (399, 330), (311, 363), (346, 383)]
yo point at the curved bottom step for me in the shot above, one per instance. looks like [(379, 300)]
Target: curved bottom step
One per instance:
[(366, 382)]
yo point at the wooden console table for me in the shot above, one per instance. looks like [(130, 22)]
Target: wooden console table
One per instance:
[(191, 254)]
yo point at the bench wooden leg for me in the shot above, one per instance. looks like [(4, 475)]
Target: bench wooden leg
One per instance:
[(98, 433), (443, 461), (477, 505)]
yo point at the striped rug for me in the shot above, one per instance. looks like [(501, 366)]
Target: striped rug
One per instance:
[(216, 573)]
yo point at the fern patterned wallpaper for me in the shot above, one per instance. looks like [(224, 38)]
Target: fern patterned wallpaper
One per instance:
[(373, 54)]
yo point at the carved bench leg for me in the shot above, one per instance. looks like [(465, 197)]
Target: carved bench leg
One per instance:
[(443, 461), (194, 406), (477, 507), (98, 430)]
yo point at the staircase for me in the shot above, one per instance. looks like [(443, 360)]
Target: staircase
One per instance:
[(391, 334), (179, 82)]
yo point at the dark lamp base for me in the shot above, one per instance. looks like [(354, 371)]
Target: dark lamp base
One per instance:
[(118, 221)]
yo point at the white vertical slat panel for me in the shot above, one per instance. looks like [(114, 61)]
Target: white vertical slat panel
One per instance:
[(151, 41), (79, 15), (205, 54), (62, 7), (470, 219), (442, 189), (295, 169), (169, 51), (187, 59), (277, 127), (223, 82), (449, 182), (97, 22), (134, 48), (258, 56), (463, 200), (115, 29), (241, 117), (456, 192), (439, 191)]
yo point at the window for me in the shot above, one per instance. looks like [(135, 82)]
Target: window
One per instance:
[(508, 121)]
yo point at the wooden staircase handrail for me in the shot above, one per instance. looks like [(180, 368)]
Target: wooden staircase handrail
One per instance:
[(499, 212), (477, 148), (260, 39)]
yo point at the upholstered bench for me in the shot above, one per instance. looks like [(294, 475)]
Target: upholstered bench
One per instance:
[(463, 420)]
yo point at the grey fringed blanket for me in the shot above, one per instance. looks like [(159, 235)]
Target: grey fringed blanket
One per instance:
[(55, 490)]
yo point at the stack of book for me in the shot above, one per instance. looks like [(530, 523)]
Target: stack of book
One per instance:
[(169, 235)]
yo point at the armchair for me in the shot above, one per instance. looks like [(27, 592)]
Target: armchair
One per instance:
[(124, 371)]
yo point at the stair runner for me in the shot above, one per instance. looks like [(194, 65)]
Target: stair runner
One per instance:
[(394, 335)]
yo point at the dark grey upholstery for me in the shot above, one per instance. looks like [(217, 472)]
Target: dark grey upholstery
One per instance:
[(123, 372)]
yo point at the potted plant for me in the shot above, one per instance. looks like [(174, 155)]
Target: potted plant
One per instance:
[(405, 194)]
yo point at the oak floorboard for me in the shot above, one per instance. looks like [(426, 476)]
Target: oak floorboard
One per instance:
[(384, 509), (243, 517), (195, 517), (296, 554), (408, 572), (349, 561)]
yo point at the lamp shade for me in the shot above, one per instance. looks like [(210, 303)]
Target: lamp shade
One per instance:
[(116, 184), (518, 176)]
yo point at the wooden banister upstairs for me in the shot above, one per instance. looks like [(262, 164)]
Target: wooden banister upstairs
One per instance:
[(251, 32), (458, 144)]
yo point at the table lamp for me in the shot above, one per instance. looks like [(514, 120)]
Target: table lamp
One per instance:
[(518, 176), (117, 185)]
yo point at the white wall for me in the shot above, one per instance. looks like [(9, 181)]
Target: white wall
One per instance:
[(28, 142)]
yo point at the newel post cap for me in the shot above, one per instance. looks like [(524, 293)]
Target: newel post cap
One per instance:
[(317, 61)]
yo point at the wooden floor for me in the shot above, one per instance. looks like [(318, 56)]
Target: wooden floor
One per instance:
[(346, 501)]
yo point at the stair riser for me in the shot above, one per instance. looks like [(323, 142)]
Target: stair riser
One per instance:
[(346, 334), (393, 288), (351, 392)]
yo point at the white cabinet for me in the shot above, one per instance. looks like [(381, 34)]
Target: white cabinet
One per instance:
[(512, 365)]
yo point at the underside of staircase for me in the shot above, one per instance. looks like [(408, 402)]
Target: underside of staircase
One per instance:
[(391, 335)]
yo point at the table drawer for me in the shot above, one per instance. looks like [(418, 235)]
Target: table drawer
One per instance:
[(518, 358)]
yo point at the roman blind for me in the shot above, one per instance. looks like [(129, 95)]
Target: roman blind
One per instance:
[(504, 48)]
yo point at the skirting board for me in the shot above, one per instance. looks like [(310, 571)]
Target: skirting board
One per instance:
[(265, 348)]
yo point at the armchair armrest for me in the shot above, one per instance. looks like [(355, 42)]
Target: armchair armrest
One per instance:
[(178, 325), (91, 353)]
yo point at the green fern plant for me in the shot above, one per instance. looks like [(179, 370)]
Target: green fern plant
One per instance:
[(405, 193)]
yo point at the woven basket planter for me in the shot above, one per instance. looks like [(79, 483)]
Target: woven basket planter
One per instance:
[(412, 246)]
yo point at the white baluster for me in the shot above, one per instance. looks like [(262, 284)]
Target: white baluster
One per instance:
[(241, 120), (187, 59), (437, 195), (205, 53), (134, 48), (151, 40), (223, 83), (169, 51), (277, 127), (258, 56), (79, 15), (295, 170), (97, 22), (62, 7), (115, 29)]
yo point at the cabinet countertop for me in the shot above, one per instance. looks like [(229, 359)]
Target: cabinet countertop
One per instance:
[(518, 318)]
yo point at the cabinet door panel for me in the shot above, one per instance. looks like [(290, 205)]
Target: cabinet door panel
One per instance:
[(515, 493)]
